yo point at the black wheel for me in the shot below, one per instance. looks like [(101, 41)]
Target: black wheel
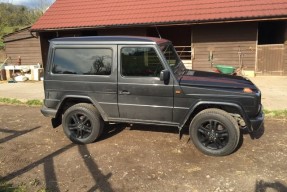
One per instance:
[(82, 123), (214, 132)]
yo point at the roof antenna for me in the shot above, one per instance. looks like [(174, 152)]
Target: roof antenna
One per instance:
[(157, 32)]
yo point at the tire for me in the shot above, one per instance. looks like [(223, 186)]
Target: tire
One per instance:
[(214, 132), (82, 123)]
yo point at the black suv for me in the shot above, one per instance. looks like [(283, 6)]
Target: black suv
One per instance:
[(92, 80)]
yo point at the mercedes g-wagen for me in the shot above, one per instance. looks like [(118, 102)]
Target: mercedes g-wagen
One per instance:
[(90, 81)]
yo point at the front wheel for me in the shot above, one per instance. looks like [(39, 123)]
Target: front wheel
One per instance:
[(82, 123), (214, 132)]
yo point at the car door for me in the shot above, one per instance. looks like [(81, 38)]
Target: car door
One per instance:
[(142, 95)]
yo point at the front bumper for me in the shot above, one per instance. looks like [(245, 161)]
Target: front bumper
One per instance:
[(257, 122)]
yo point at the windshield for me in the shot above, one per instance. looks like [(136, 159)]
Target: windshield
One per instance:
[(173, 60)]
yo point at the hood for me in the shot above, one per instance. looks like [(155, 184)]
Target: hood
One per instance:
[(211, 79)]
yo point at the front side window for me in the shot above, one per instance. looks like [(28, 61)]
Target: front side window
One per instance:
[(88, 61), (140, 61), (173, 60)]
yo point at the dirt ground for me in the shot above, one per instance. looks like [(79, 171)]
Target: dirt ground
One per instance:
[(136, 158)]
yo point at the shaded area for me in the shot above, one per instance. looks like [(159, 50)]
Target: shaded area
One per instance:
[(111, 130), (259, 133), (256, 134), (156, 128), (50, 175), (262, 186), (15, 133), (101, 180), (36, 163)]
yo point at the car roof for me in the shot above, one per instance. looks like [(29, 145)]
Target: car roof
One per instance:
[(109, 40)]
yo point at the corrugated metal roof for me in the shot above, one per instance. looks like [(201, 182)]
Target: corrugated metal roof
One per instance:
[(94, 13)]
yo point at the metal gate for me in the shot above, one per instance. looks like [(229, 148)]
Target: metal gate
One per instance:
[(184, 53), (270, 60)]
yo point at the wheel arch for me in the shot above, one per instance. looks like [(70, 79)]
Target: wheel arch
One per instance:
[(226, 106), (69, 100)]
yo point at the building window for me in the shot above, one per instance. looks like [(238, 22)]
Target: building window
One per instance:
[(87, 61), (141, 62), (271, 32)]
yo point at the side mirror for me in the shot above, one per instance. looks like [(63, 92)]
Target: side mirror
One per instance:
[(164, 76)]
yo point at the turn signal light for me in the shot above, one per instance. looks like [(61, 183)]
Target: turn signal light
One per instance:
[(247, 90)]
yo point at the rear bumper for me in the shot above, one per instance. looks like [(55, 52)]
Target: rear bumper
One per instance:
[(48, 112)]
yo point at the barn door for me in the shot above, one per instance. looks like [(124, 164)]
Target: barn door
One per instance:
[(270, 60)]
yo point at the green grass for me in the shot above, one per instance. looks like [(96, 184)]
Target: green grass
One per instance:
[(33, 102), (10, 101), (276, 113), (1, 45), (6, 30), (8, 187)]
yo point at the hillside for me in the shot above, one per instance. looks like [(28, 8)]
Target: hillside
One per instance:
[(14, 17)]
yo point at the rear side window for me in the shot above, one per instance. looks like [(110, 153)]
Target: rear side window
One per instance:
[(140, 61), (80, 61)]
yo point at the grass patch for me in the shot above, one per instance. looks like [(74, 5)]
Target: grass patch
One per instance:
[(33, 102), (10, 101), (276, 113), (7, 29), (8, 187), (2, 45)]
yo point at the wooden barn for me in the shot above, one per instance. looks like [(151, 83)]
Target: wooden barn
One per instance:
[(247, 33), (24, 45)]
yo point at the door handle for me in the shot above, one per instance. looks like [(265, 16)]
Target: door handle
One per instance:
[(124, 92)]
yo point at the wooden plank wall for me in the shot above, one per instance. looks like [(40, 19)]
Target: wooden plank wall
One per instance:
[(224, 42), (122, 31), (285, 51), (26, 46), (270, 59), (285, 59)]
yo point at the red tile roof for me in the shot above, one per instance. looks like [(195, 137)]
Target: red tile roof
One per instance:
[(65, 14)]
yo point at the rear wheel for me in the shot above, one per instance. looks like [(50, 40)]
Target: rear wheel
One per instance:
[(82, 123), (214, 132)]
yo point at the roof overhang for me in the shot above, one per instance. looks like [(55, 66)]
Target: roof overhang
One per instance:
[(161, 24)]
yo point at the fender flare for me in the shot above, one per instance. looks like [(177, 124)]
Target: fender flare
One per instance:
[(95, 103), (235, 105)]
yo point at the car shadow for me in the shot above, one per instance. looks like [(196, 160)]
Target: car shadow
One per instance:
[(154, 128), (111, 130), (254, 135), (263, 186)]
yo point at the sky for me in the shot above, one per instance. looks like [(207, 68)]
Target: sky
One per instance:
[(28, 3)]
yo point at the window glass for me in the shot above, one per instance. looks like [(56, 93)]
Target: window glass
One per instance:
[(141, 61), (82, 61), (170, 55), (173, 60)]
